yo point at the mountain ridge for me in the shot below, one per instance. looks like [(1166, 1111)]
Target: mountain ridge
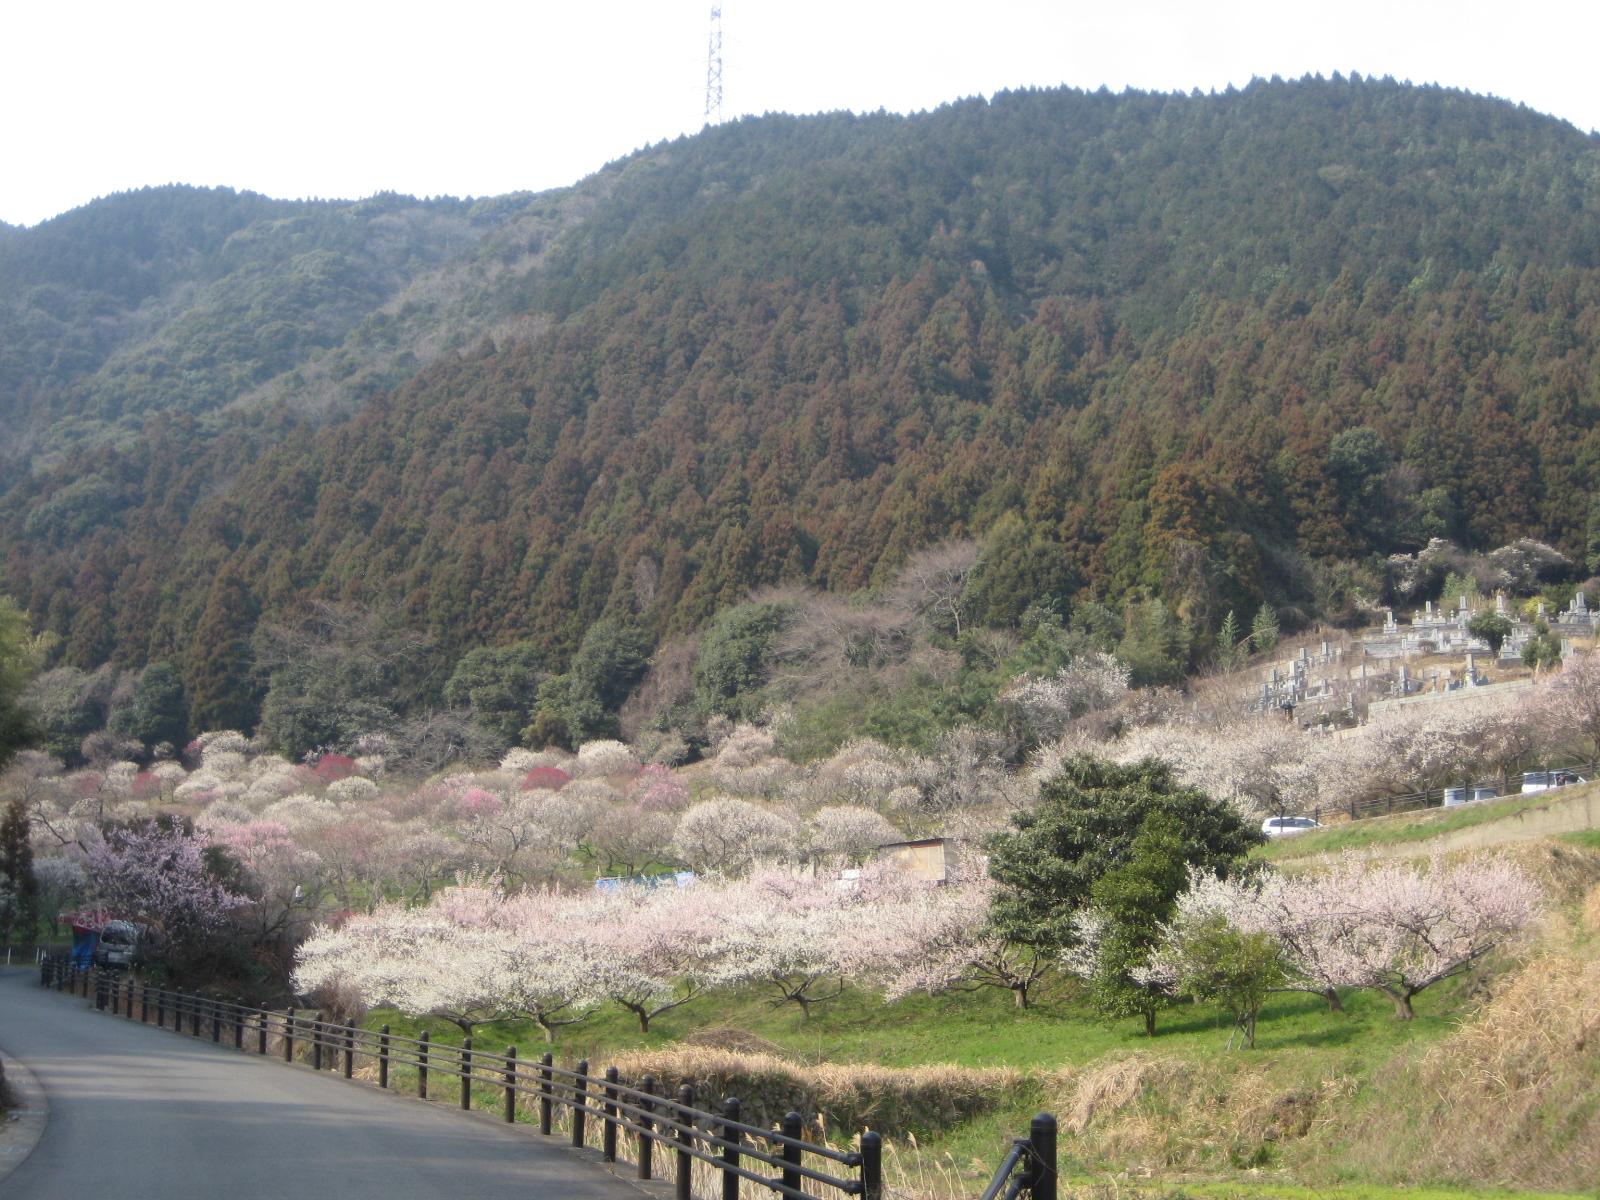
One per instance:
[(1118, 338)]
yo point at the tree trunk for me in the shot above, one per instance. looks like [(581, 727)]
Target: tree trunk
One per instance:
[(1402, 1004), (644, 1020), (1331, 995), (1019, 993), (805, 1005), (1149, 1022)]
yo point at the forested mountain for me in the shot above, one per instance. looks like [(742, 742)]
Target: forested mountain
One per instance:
[(1211, 349)]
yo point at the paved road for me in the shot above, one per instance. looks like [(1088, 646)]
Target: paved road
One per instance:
[(138, 1113)]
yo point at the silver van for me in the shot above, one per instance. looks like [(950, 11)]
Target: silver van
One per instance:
[(119, 941)]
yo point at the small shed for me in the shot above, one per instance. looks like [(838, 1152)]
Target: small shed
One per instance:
[(927, 859)]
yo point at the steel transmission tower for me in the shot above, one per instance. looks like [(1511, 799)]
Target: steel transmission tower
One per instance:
[(714, 70)]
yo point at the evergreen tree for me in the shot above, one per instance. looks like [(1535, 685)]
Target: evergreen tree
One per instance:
[(1135, 898), (1264, 629), (219, 668), (16, 668), (19, 890), (1591, 541), (583, 703), (1156, 644), (1083, 828), (1492, 628), (734, 658), (499, 686), (160, 710), (1228, 643)]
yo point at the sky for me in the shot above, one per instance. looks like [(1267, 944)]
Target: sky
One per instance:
[(344, 98)]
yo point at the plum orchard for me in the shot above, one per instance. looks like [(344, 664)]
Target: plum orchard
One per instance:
[(476, 953)]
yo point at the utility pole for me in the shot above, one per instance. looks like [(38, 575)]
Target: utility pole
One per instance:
[(714, 70)]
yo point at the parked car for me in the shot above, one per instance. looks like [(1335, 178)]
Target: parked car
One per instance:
[(119, 941), (1277, 827), (1543, 781)]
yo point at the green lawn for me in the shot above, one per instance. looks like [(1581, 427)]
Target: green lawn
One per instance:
[(980, 1029), (1403, 828)]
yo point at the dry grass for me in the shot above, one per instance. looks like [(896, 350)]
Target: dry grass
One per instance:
[(1511, 1099), (891, 1100), (1150, 1114)]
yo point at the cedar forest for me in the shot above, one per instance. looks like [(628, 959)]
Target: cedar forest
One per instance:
[(1154, 359)]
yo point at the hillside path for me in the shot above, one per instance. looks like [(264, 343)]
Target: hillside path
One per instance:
[(143, 1114)]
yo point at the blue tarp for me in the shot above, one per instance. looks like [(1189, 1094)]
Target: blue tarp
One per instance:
[(83, 943)]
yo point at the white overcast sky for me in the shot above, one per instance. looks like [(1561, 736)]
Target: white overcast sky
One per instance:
[(466, 97)]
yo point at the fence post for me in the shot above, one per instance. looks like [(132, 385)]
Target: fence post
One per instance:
[(730, 1152), (161, 1008), (511, 1085), (647, 1085), (422, 1066), (288, 1035), (383, 1056), (238, 1027), (216, 1021), (194, 1018), (316, 1040), (580, 1100), (608, 1130), (101, 987), (466, 1074), (544, 1091), (1042, 1144), (349, 1047), (871, 1165), (685, 1140), (792, 1126), (144, 1004), (261, 1033)]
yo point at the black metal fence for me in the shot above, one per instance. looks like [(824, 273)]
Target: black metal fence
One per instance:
[(1382, 806), (709, 1152)]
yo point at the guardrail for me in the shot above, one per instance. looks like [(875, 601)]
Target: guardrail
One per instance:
[(728, 1151), (1382, 806)]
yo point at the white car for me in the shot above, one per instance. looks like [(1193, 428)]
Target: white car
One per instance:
[(1277, 827), (1543, 781)]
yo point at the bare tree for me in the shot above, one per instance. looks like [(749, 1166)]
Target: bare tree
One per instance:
[(933, 581)]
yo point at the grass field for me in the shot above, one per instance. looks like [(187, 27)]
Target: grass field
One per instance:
[(1404, 828), (1323, 1098)]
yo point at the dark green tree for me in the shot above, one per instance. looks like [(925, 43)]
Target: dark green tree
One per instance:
[(1358, 461), (1264, 629), (1017, 567), (335, 675), (1543, 649), (160, 710), (19, 890), (1134, 899), (1228, 652), (1591, 540), (499, 685), (218, 667), (1492, 628), (1155, 645), (17, 728), (735, 658), (583, 703), (1083, 828)]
